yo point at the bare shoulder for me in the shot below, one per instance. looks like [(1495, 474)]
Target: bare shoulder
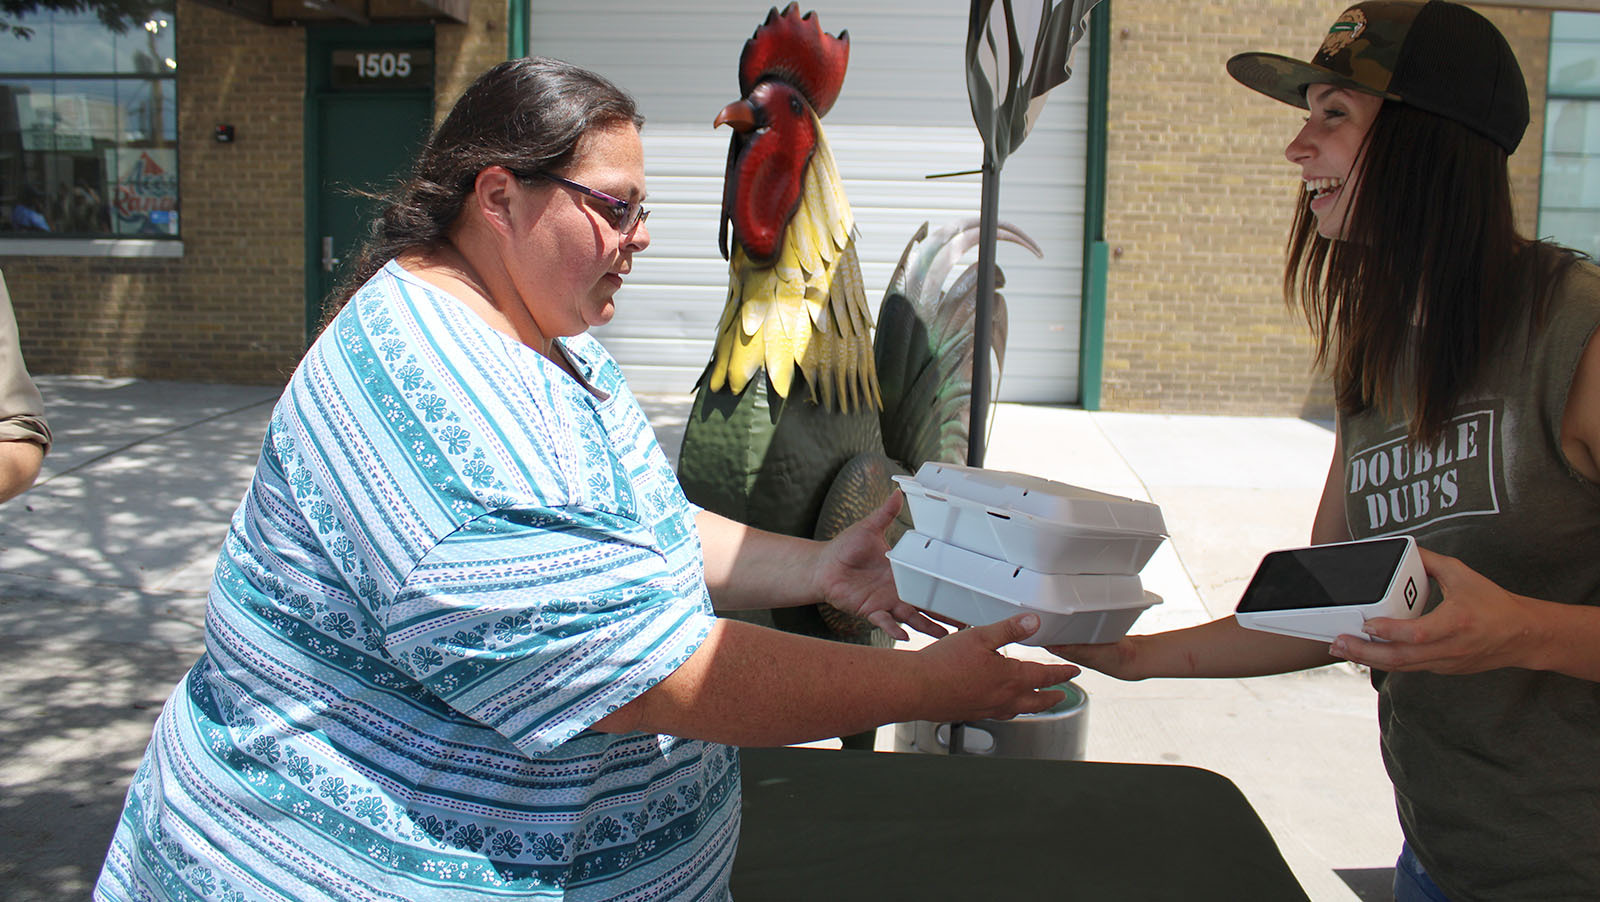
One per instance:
[(1580, 422)]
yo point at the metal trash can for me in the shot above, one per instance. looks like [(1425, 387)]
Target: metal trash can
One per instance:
[(1060, 733)]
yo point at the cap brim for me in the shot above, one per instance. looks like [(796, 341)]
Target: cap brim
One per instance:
[(1285, 79)]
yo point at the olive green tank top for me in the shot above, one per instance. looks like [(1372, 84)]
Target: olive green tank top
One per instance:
[(1496, 775)]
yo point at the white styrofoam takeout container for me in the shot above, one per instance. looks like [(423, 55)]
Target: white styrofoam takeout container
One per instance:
[(966, 586), (1036, 523)]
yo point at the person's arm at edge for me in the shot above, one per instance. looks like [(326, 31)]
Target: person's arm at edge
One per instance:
[(746, 685), (1567, 634), (19, 467), (1223, 648)]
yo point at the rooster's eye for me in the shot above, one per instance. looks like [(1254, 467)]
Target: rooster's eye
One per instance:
[(794, 105)]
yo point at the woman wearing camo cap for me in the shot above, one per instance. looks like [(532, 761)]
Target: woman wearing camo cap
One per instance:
[(1468, 395)]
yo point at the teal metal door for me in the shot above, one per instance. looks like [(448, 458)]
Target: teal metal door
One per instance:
[(369, 110)]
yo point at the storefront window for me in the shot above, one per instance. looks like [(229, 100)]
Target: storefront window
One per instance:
[(89, 121), (1569, 199)]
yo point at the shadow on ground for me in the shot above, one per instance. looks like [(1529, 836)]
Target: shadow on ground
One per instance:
[(103, 572), (1369, 884)]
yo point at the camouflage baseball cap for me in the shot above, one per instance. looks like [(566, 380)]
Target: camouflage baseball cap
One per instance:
[(1439, 57)]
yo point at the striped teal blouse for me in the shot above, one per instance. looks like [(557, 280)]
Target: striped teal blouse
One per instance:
[(452, 561)]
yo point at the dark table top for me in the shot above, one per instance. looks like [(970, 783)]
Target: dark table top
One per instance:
[(822, 824)]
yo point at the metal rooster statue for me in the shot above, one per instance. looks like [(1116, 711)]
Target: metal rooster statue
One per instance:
[(792, 429)]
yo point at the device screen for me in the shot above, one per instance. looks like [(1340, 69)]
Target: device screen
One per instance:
[(1323, 576)]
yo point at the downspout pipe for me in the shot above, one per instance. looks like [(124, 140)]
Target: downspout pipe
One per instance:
[(1096, 252), (517, 15)]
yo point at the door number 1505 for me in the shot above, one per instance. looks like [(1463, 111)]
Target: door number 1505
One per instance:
[(383, 65)]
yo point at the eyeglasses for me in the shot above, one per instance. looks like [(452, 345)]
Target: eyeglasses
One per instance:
[(625, 215)]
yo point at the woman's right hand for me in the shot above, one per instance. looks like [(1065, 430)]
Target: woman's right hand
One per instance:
[(966, 678), (1114, 659)]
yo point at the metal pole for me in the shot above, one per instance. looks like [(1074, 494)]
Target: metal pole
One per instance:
[(982, 333)]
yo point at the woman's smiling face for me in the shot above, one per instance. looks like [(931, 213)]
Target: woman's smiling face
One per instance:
[(1327, 149)]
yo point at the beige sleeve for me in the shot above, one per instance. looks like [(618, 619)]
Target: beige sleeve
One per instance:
[(21, 408)]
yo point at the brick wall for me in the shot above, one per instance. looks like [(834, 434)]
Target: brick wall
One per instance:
[(464, 51), (1528, 32), (1198, 202), (232, 309)]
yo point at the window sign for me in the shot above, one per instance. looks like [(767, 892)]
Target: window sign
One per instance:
[(146, 197), (398, 68)]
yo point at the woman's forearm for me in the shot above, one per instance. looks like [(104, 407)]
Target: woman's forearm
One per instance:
[(752, 568), (747, 685), (1565, 638), (1219, 649)]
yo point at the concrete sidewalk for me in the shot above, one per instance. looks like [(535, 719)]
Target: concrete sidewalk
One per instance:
[(104, 567)]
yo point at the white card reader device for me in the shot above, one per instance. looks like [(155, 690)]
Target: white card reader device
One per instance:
[(1325, 591)]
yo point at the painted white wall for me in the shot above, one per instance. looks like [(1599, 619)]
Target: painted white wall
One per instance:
[(903, 114)]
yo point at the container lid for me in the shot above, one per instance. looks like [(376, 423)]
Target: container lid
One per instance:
[(1057, 593), (1042, 498)]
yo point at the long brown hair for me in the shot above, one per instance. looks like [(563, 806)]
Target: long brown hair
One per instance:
[(1430, 277), (527, 115)]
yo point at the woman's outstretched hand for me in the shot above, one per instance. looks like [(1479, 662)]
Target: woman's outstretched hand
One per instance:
[(966, 677), (854, 575), (1114, 659)]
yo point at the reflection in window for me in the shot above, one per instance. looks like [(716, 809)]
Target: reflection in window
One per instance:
[(1569, 198), (89, 121)]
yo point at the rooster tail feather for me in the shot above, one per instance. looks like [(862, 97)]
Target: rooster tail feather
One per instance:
[(937, 256), (897, 282), (924, 343)]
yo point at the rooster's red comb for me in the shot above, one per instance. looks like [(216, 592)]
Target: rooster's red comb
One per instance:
[(795, 48)]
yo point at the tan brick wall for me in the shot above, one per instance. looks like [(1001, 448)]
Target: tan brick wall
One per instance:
[(464, 51), (233, 308), (1198, 201), (1528, 32)]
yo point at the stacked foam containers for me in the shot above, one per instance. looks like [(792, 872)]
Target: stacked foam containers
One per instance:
[(989, 544)]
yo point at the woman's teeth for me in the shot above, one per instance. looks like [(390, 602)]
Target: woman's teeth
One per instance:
[(1319, 187)]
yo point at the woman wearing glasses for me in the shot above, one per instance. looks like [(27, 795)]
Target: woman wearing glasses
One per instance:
[(460, 642)]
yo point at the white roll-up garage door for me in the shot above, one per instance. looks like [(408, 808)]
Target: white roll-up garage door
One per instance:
[(903, 114)]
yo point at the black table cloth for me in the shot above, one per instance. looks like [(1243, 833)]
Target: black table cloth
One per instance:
[(823, 824)]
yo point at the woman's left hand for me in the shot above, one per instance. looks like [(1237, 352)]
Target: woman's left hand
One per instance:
[(853, 575), (1477, 626)]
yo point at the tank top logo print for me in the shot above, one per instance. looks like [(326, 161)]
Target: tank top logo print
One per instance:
[(1397, 487)]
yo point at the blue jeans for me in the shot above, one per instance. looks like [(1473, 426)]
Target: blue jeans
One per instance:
[(1411, 882)]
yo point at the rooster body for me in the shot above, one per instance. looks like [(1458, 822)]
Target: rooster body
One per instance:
[(790, 391), (791, 429)]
